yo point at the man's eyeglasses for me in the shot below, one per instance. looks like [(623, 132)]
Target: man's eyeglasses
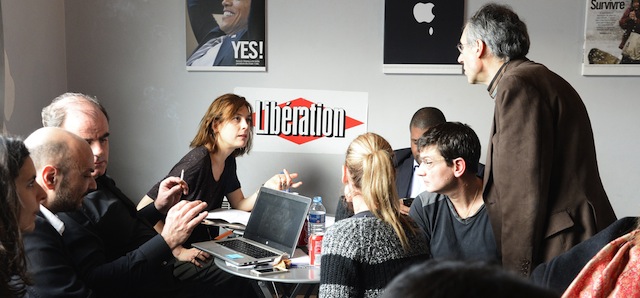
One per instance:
[(460, 46), (430, 163)]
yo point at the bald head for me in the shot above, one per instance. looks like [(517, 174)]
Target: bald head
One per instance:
[(55, 114), (52, 145), (64, 164), (84, 116)]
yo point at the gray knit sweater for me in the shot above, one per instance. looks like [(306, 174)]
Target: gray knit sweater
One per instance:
[(361, 255)]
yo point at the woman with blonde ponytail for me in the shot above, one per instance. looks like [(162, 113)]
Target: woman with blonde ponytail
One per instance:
[(361, 254)]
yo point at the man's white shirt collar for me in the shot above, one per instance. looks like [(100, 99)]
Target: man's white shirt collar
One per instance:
[(417, 183), (53, 219)]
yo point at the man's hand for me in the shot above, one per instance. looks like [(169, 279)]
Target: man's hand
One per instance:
[(169, 193), (192, 255), (181, 220), (404, 209)]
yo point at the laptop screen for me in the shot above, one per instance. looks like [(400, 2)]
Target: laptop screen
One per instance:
[(277, 219)]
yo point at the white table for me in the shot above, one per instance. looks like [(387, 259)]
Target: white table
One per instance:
[(297, 277)]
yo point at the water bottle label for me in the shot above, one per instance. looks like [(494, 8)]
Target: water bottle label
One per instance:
[(316, 218)]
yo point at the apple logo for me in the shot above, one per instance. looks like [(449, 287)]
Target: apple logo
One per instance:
[(423, 12)]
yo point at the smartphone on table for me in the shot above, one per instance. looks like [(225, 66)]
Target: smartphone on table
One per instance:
[(267, 271)]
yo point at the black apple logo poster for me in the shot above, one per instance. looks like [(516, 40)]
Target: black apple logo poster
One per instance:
[(422, 31)]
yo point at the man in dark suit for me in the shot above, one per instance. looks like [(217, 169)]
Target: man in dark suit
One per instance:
[(406, 160), (65, 180), (64, 165), (542, 187)]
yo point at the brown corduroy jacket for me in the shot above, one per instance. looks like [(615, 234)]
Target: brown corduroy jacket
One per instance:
[(542, 186)]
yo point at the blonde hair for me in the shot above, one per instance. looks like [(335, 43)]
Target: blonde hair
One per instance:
[(222, 109), (369, 161)]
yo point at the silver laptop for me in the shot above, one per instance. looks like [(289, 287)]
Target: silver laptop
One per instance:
[(273, 229)]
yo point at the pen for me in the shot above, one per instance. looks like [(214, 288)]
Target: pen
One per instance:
[(288, 189), (223, 235), (182, 175)]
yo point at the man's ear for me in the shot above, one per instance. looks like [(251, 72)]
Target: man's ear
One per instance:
[(480, 48), (459, 167), (49, 177)]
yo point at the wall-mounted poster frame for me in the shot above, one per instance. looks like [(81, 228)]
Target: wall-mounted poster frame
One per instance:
[(420, 36), (611, 45), (226, 39)]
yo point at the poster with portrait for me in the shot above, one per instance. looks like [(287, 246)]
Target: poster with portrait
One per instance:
[(225, 35), (612, 38), (420, 36)]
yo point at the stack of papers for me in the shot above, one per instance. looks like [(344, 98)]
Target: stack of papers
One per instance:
[(299, 258), (233, 219), (230, 215)]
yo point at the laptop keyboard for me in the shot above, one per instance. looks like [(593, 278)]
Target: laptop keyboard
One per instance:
[(247, 249)]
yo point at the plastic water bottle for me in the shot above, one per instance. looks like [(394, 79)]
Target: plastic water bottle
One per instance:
[(316, 218), (317, 214)]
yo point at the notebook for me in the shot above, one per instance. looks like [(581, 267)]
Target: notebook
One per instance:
[(274, 226)]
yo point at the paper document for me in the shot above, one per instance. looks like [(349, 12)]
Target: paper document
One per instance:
[(230, 215), (299, 258)]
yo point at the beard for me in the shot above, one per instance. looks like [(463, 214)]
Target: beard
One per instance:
[(65, 199)]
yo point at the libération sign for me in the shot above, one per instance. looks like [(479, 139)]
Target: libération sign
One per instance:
[(305, 121)]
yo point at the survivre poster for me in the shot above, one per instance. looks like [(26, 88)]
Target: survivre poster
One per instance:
[(225, 35), (612, 38)]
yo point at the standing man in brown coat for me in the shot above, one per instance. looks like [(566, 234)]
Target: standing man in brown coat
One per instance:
[(541, 183)]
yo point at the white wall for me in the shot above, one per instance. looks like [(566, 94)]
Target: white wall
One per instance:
[(35, 65), (130, 53)]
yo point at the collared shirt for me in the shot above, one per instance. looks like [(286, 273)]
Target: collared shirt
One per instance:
[(417, 184), (209, 57), (53, 219), (493, 86)]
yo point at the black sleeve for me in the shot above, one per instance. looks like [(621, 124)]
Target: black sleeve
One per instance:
[(124, 273), (151, 214), (200, 17), (50, 265)]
